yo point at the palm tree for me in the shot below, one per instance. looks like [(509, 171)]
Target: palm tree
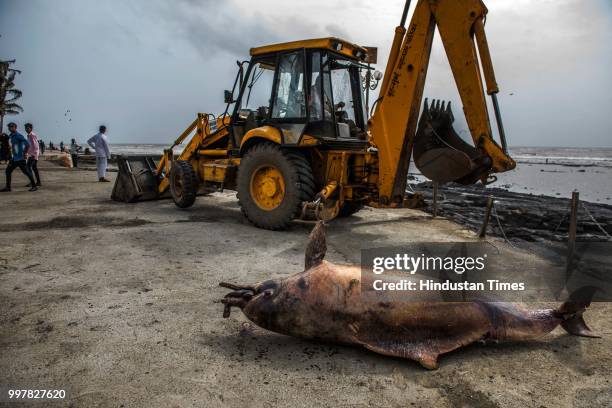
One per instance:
[(8, 93)]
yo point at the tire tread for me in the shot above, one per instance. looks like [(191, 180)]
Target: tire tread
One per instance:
[(301, 174)]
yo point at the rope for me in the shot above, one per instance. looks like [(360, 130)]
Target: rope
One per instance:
[(595, 221), (562, 219), (500, 226), (601, 228)]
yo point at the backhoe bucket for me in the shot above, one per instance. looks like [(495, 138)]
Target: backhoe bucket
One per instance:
[(440, 154), (136, 180)]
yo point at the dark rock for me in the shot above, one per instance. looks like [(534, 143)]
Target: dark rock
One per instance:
[(523, 217)]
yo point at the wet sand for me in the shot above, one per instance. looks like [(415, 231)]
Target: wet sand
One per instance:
[(116, 304)]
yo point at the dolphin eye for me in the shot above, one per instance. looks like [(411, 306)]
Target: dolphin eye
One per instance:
[(269, 284), (268, 292)]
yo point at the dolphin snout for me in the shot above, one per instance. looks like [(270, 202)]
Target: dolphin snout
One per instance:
[(238, 298)]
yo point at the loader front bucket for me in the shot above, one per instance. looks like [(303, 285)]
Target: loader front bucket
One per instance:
[(439, 152), (136, 180)]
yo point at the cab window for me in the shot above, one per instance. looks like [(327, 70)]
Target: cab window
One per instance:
[(290, 100), (343, 91), (259, 87)]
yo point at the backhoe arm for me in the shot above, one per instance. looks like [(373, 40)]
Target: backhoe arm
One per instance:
[(439, 153)]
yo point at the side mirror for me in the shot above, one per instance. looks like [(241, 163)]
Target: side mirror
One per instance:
[(229, 98), (378, 75)]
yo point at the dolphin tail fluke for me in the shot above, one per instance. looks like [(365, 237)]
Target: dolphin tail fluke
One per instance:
[(572, 310), (578, 327)]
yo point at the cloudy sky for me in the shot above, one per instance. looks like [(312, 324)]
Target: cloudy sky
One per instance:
[(145, 67)]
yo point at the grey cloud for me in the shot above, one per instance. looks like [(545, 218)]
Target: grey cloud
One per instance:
[(337, 31), (212, 27), (146, 67)]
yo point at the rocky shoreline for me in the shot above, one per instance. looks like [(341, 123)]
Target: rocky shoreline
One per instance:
[(523, 217)]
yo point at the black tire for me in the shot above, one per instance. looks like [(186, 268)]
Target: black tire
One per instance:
[(349, 208), (183, 184), (297, 177)]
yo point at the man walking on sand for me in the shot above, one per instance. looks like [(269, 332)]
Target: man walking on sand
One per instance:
[(33, 153), (74, 150), (20, 148), (103, 154)]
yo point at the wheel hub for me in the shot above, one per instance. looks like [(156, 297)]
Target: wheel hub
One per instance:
[(267, 187)]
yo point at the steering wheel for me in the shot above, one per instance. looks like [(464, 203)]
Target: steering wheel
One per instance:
[(281, 107)]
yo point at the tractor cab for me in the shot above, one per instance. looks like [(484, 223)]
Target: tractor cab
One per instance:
[(311, 89)]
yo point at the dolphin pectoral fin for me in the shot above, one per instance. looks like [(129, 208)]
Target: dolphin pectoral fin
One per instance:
[(429, 361), (424, 346), (316, 247), (427, 357)]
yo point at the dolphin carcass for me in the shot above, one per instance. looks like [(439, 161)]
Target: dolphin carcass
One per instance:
[(325, 302)]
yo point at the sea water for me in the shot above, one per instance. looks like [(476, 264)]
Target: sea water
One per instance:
[(551, 171)]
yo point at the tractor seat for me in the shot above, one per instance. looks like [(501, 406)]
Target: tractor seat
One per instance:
[(250, 122)]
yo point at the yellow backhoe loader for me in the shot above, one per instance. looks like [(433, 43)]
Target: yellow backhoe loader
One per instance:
[(296, 137)]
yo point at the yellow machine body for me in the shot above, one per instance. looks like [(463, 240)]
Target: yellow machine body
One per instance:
[(361, 160)]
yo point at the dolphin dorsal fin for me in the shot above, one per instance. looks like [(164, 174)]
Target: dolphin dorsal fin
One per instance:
[(316, 247)]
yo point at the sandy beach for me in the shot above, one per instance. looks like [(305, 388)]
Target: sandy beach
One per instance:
[(115, 304)]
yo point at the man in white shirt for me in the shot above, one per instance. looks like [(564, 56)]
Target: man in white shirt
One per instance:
[(99, 144)]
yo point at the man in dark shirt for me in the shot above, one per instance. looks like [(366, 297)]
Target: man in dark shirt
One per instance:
[(5, 148), (20, 147)]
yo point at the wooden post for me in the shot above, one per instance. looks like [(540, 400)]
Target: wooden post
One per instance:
[(485, 222), (435, 199), (571, 239)]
